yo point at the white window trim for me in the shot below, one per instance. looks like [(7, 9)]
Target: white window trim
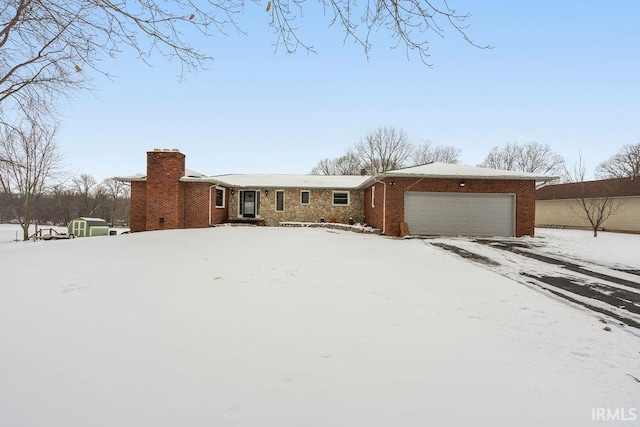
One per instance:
[(373, 196), (308, 198), (275, 202), (224, 198), (340, 204)]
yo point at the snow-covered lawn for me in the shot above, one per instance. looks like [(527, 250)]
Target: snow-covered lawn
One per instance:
[(238, 326), (610, 248), (12, 233)]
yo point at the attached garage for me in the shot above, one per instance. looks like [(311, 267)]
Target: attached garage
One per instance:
[(452, 214), (441, 199)]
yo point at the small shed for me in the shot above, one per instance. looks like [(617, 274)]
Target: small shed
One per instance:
[(88, 227)]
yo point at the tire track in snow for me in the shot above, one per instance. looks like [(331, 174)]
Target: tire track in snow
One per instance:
[(613, 296)]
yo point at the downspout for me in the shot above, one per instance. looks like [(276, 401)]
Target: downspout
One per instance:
[(384, 203), (210, 187)]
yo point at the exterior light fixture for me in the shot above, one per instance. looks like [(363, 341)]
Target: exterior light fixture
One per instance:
[(462, 184)]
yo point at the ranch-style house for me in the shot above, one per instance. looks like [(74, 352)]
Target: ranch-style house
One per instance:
[(430, 199)]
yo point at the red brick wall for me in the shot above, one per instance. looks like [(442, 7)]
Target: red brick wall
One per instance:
[(138, 213), (219, 215), (165, 192), (196, 205), (523, 189), (373, 214)]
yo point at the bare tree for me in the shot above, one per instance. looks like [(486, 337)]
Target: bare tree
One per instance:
[(65, 201), (29, 158), (505, 158), (343, 165), (594, 202), (530, 157), (624, 164), (113, 190), (91, 195), (427, 153), (45, 45), (384, 149)]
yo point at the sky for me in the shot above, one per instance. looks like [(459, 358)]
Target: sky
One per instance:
[(560, 73)]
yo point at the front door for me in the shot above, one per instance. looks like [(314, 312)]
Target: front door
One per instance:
[(249, 204)]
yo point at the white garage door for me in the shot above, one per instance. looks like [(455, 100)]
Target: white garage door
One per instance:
[(455, 214)]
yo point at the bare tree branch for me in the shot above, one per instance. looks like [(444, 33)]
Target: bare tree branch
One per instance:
[(343, 165), (46, 45), (595, 210), (30, 158), (530, 157), (624, 164), (427, 153), (384, 149)]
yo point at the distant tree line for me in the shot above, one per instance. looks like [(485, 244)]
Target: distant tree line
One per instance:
[(83, 196), (384, 149), (389, 148)]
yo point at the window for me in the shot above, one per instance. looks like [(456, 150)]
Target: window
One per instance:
[(279, 200), (341, 198), (219, 198), (304, 197), (373, 196)]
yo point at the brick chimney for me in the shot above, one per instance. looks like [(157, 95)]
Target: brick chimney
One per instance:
[(165, 192)]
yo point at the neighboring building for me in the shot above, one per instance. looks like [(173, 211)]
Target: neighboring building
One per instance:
[(557, 205), (432, 199), (88, 227)]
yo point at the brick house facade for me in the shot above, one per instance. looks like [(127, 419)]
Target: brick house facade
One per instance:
[(169, 197), (395, 202)]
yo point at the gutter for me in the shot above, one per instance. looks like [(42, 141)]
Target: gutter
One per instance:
[(210, 187), (384, 203)]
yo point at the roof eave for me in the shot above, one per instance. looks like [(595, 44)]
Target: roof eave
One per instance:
[(130, 178), (462, 176)]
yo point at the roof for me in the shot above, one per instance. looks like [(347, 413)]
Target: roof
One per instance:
[(431, 170), (615, 187), (284, 181), (449, 170), (188, 173), (132, 178), (98, 222)]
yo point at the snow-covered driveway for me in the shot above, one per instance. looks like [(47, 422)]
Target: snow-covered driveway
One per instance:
[(606, 285), (237, 326)]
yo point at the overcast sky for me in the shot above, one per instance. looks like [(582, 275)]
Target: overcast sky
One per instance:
[(560, 73)]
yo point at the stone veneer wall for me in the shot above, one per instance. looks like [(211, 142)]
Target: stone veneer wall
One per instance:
[(523, 189), (320, 206)]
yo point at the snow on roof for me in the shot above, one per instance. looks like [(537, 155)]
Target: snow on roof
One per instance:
[(432, 170), (95, 221), (290, 181), (193, 174), (131, 178), (188, 173), (448, 170)]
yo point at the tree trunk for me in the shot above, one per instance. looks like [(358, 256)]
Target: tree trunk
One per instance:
[(25, 232), (595, 231)]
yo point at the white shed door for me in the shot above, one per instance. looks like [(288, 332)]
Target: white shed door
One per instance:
[(455, 214)]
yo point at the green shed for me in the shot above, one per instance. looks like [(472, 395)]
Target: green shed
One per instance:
[(88, 227)]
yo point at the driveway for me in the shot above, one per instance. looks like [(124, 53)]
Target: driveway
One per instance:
[(611, 291)]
